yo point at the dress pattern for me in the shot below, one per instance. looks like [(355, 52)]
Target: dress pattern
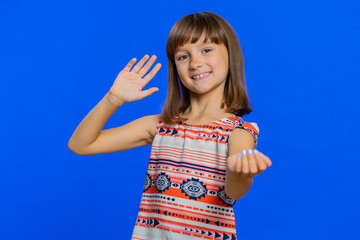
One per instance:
[(184, 196)]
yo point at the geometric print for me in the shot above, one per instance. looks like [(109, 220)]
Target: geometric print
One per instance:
[(225, 198), (193, 188), (184, 191), (162, 182), (147, 183)]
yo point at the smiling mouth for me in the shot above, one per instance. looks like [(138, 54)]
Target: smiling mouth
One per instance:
[(203, 75)]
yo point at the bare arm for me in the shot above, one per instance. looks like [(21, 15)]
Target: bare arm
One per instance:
[(89, 138), (240, 170)]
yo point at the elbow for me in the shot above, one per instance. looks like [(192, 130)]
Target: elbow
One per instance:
[(236, 196), (74, 149), (239, 189)]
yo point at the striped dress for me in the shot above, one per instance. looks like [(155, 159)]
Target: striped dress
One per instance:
[(184, 196)]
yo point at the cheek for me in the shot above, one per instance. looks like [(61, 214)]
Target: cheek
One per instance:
[(180, 69), (223, 67)]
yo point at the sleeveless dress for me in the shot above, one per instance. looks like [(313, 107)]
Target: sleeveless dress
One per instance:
[(184, 196)]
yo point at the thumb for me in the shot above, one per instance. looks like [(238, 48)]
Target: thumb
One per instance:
[(148, 92)]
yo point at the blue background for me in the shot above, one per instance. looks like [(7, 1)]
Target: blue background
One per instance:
[(59, 58)]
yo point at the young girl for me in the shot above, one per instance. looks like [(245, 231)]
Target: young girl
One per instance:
[(202, 157)]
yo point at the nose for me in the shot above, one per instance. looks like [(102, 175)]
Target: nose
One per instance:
[(195, 62)]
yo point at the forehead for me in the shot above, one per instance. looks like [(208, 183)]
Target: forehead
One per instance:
[(200, 42)]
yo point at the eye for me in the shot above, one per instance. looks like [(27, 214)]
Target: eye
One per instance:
[(182, 57), (207, 50)]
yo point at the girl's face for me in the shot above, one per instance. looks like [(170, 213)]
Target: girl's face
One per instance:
[(202, 67)]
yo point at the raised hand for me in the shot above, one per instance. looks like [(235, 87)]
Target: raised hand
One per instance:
[(248, 163), (128, 85)]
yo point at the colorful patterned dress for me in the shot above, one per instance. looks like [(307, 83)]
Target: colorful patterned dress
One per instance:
[(184, 196)]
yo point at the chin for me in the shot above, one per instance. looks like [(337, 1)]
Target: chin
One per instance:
[(200, 92)]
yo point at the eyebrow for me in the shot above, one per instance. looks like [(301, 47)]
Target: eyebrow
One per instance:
[(178, 49), (181, 48)]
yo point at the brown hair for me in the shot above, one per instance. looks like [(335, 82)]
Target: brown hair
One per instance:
[(190, 29)]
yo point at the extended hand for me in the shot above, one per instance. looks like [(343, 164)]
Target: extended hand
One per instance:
[(248, 163), (128, 84)]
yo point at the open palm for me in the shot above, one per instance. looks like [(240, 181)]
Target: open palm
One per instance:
[(129, 83)]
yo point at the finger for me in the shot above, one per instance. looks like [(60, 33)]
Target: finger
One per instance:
[(267, 161), (139, 65), (148, 92), (147, 66), (264, 157), (152, 73), (260, 161), (252, 162), (245, 163), (130, 64), (238, 163)]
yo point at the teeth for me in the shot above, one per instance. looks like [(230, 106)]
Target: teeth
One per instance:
[(201, 75)]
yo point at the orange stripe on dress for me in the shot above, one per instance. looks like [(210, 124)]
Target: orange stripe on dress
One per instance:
[(175, 192), (205, 154), (187, 157), (249, 125), (197, 131), (191, 213), (201, 138)]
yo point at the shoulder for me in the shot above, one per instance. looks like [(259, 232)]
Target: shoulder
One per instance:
[(152, 118), (250, 127), (243, 136)]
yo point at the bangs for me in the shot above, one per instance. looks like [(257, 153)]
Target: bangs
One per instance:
[(191, 28)]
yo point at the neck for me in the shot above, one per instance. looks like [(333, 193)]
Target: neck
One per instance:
[(205, 105)]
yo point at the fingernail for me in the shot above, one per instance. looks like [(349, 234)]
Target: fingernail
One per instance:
[(243, 152), (256, 152), (239, 155), (250, 151)]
